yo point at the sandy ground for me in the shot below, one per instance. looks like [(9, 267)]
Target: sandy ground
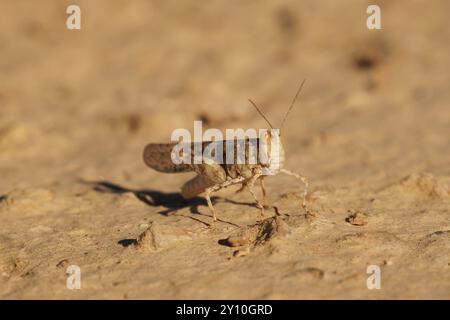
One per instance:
[(371, 132)]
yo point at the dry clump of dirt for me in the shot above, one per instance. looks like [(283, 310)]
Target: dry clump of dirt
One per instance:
[(257, 235), (357, 218), (159, 236)]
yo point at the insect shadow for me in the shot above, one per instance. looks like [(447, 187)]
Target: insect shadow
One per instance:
[(171, 201)]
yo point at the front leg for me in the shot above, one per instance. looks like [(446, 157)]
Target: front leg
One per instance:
[(305, 192)]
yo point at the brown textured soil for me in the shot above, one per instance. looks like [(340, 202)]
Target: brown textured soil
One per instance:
[(371, 132)]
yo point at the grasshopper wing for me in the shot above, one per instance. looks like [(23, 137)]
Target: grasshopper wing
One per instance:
[(158, 156)]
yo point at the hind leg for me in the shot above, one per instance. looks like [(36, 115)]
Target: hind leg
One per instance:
[(263, 190), (217, 187), (208, 192)]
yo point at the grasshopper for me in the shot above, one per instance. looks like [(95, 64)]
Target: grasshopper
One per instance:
[(212, 176)]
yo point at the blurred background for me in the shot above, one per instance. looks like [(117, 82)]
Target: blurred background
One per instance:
[(88, 100), (80, 105)]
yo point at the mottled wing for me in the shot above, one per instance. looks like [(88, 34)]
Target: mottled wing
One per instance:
[(158, 156)]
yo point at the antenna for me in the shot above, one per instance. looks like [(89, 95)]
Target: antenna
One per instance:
[(260, 112), (293, 102)]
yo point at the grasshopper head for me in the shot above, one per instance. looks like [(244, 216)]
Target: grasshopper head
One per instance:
[(271, 149), (271, 152)]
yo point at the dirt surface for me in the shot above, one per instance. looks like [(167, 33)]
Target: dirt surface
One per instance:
[(371, 132)]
